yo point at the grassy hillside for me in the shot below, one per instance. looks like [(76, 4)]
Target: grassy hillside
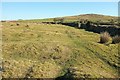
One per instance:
[(40, 50), (90, 17)]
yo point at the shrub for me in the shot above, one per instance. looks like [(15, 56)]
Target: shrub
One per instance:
[(11, 25), (27, 26), (104, 37), (88, 24), (58, 20), (17, 24), (116, 39)]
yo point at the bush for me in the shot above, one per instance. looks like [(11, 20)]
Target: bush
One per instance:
[(11, 25), (58, 20), (88, 24), (116, 39), (27, 26), (17, 24), (104, 37)]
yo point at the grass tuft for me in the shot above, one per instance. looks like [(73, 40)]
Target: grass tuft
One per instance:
[(104, 37), (116, 39)]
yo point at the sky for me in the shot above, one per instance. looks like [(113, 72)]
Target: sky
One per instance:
[(40, 10), (60, 0)]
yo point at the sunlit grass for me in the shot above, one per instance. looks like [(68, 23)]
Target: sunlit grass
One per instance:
[(53, 48)]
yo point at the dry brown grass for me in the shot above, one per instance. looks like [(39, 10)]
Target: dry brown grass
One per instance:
[(116, 39), (104, 37)]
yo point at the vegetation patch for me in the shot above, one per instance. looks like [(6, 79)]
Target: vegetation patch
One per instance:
[(54, 50)]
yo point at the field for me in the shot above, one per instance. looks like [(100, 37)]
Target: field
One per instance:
[(49, 50)]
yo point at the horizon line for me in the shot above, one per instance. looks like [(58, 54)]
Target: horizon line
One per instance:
[(58, 17)]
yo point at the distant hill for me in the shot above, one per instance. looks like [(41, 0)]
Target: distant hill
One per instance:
[(90, 17)]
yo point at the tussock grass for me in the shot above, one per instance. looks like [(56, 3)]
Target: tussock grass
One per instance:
[(104, 37), (116, 39)]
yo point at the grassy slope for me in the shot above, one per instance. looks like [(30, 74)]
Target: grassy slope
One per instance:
[(41, 50), (90, 17)]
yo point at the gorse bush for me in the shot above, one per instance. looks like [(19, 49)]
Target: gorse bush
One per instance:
[(104, 37), (116, 39)]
